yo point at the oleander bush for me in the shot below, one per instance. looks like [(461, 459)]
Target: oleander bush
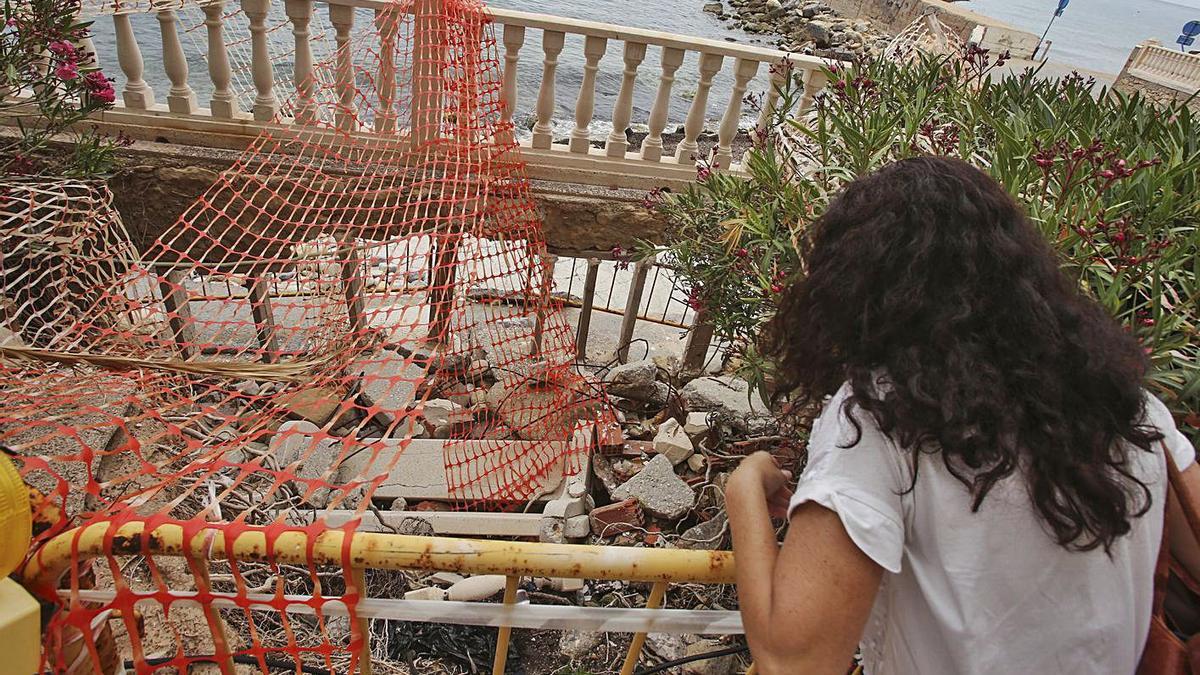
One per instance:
[(1111, 179), (49, 85)]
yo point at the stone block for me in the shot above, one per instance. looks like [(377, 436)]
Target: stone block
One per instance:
[(672, 443)]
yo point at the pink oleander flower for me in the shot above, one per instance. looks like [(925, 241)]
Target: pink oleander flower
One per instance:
[(64, 49), (66, 71), (100, 87)]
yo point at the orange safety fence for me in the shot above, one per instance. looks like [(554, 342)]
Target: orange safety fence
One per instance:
[(363, 279)]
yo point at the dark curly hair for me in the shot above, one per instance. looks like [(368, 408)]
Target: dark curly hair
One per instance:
[(928, 274)]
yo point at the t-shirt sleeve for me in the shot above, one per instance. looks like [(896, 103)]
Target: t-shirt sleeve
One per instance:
[(862, 483), (1158, 416)]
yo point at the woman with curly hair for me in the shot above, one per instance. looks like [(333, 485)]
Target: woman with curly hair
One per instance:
[(985, 488)]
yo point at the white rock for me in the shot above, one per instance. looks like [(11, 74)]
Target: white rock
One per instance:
[(672, 442), (696, 424), (429, 593), (480, 587), (697, 463)]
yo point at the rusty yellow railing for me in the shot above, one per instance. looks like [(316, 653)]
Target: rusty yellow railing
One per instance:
[(371, 550)]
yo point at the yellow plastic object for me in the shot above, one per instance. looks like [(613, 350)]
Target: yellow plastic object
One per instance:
[(16, 522), (20, 629)]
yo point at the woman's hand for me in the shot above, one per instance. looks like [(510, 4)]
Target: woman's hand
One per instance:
[(760, 470)]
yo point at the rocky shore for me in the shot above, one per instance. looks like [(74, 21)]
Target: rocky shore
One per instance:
[(803, 26)]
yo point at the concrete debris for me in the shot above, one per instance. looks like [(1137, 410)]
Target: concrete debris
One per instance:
[(660, 492), (416, 527), (618, 518), (718, 665), (438, 414), (731, 397), (697, 462), (668, 647), (672, 442), (603, 471), (637, 380), (248, 388), (389, 381), (576, 527), (577, 645), (315, 404), (709, 535), (540, 412)]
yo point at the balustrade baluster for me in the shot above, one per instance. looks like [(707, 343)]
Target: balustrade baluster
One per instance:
[(342, 18), (180, 98), (686, 153), (514, 38), (744, 70), (429, 44), (593, 49), (137, 94), (770, 99), (265, 103), (87, 49), (300, 13), (814, 81), (552, 44), (387, 22), (223, 103), (617, 144), (652, 147)]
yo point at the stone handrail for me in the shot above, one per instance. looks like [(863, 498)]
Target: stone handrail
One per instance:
[(182, 118), (1151, 61)]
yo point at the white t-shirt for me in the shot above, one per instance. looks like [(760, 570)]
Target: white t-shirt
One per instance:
[(987, 592)]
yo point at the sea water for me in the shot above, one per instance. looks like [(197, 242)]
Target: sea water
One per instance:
[(1096, 34)]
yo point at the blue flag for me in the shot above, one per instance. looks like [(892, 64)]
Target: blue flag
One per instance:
[(1062, 4)]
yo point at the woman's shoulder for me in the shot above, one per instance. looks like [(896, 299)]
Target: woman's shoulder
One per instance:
[(1157, 416)]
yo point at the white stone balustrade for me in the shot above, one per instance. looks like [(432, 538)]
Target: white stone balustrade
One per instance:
[(409, 107), (1165, 66)]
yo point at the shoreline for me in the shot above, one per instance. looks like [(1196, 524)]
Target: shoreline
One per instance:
[(849, 29)]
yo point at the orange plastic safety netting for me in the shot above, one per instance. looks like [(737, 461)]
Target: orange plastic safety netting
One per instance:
[(358, 313)]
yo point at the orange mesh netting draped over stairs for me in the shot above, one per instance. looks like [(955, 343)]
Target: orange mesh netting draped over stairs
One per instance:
[(367, 282)]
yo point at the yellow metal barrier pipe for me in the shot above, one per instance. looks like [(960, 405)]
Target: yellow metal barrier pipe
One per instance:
[(386, 551)]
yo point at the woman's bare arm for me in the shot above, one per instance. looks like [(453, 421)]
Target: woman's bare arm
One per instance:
[(804, 604), (1184, 544)]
